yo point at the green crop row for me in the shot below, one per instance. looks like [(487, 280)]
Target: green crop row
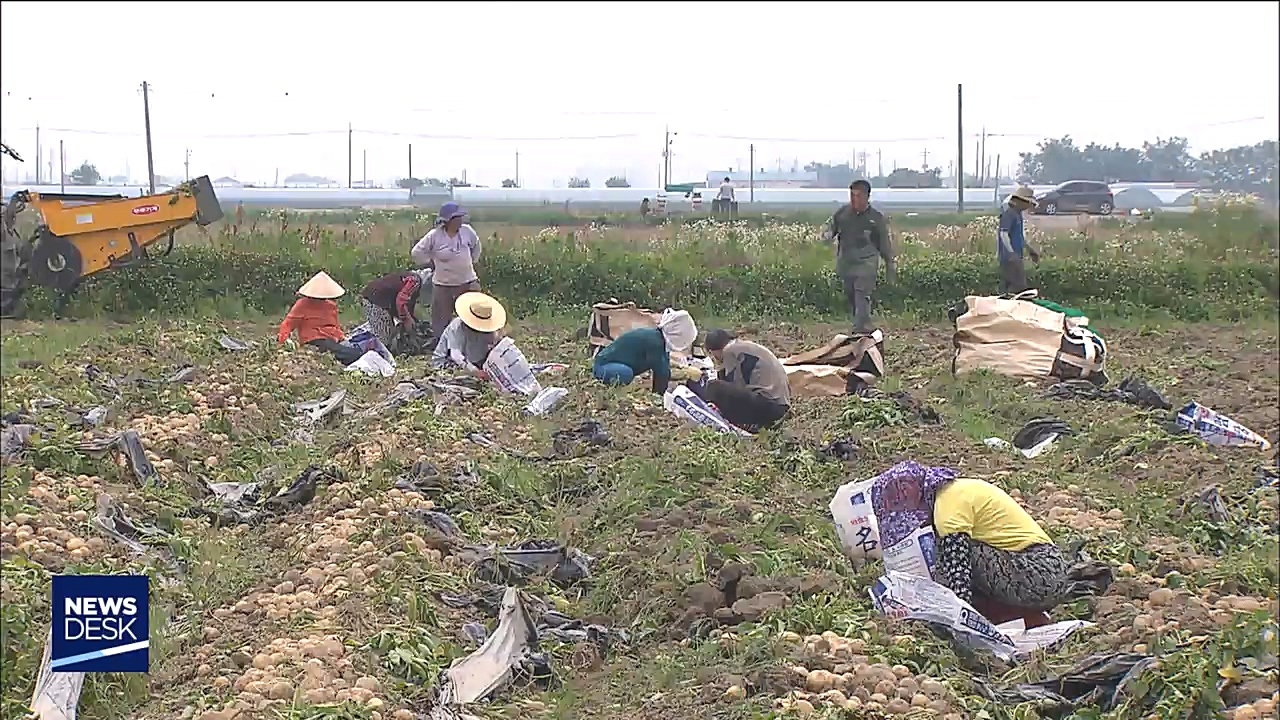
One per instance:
[(559, 274)]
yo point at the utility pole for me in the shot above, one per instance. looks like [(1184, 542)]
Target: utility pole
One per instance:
[(751, 176), (517, 177), (666, 158), (410, 160), (925, 155), (996, 193), (959, 148), (186, 165), (982, 157), (146, 119), (37, 153), (364, 173), (348, 156), (977, 163), (62, 168), (879, 163)]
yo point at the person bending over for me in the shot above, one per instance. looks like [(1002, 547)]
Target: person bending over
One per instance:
[(469, 337), (751, 391), (393, 296), (314, 316), (646, 350), (991, 552)]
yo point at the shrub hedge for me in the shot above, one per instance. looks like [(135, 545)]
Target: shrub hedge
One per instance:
[(533, 275)]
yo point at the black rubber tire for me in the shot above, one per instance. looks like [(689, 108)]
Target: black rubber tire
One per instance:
[(1105, 208), (56, 263)]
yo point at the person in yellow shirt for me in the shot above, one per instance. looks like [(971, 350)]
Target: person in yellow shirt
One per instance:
[(988, 547)]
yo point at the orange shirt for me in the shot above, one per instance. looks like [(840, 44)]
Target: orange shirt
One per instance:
[(314, 320)]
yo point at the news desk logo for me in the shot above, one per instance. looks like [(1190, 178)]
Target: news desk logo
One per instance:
[(100, 623)]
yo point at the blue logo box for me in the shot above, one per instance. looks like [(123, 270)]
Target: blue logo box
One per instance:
[(101, 623)]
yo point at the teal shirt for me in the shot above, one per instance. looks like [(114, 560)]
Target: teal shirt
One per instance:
[(642, 350)]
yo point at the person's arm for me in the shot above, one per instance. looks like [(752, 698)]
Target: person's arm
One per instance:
[(731, 372), (1002, 232), (954, 565), (287, 326), (411, 285), (831, 233), (1026, 245), (475, 245), (887, 250), (421, 252), (446, 346), (661, 369)]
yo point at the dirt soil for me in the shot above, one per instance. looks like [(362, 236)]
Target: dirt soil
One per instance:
[(716, 556)]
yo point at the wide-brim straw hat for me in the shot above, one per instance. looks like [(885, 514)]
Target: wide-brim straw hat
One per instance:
[(321, 287), (1024, 194), (480, 312)]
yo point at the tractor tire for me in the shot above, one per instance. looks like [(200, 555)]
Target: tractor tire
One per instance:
[(56, 263)]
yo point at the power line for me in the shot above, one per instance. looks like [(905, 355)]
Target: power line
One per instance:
[(306, 133)]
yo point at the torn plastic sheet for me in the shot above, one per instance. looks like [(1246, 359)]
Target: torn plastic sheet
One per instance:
[(572, 631), (317, 410), (901, 596), (239, 502), (1099, 681), (371, 363), (14, 440), (425, 477), (56, 694), (1217, 429), (581, 439), (546, 399), (402, 393), (1210, 501), (1131, 391), (112, 521), (130, 444), (492, 666), (231, 344), (516, 565)]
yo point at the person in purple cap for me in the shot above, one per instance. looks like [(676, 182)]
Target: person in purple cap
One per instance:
[(451, 249)]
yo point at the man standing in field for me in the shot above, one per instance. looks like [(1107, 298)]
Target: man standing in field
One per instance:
[(862, 238), (1011, 241), (724, 198)]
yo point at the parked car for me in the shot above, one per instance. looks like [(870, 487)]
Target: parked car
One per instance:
[(1077, 196)]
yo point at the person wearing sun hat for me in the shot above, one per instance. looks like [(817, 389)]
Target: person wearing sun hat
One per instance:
[(468, 338), (1012, 241), (451, 249), (314, 316)]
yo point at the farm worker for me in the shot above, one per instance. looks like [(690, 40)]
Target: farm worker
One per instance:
[(989, 549), (1012, 241), (469, 337), (315, 318), (451, 248), (646, 350), (752, 390), (393, 297), (862, 238), (724, 198)]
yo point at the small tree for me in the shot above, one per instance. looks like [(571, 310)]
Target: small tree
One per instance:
[(576, 182), (409, 183), (509, 183), (86, 174), (617, 181)]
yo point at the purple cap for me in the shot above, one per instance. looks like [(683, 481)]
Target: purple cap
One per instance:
[(451, 210)]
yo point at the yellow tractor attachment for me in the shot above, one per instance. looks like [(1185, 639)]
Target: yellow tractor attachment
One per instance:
[(82, 235)]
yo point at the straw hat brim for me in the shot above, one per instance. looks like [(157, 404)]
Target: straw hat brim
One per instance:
[(496, 320), (1028, 200), (321, 287)]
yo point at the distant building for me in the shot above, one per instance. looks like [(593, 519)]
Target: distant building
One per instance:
[(762, 178), (225, 181)]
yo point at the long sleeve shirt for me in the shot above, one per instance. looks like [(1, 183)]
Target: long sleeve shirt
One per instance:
[(453, 257), (396, 293), (862, 239), (756, 368), (313, 319), (642, 350), (1011, 235), (461, 346)]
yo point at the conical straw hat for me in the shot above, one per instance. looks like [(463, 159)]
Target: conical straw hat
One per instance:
[(321, 287)]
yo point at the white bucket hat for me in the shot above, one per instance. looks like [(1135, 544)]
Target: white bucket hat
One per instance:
[(321, 287)]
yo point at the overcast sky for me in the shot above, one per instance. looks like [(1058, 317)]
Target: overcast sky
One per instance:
[(803, 81)]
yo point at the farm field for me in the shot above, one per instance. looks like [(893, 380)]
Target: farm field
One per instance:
[(341, 599), (711, 583)]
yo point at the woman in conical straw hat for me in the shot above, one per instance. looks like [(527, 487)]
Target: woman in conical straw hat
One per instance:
[(314, 316), (469, 337)]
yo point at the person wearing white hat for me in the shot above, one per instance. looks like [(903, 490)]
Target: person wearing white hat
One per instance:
[(314, 316), (646, 350), (1012, 241), (468, 338)]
